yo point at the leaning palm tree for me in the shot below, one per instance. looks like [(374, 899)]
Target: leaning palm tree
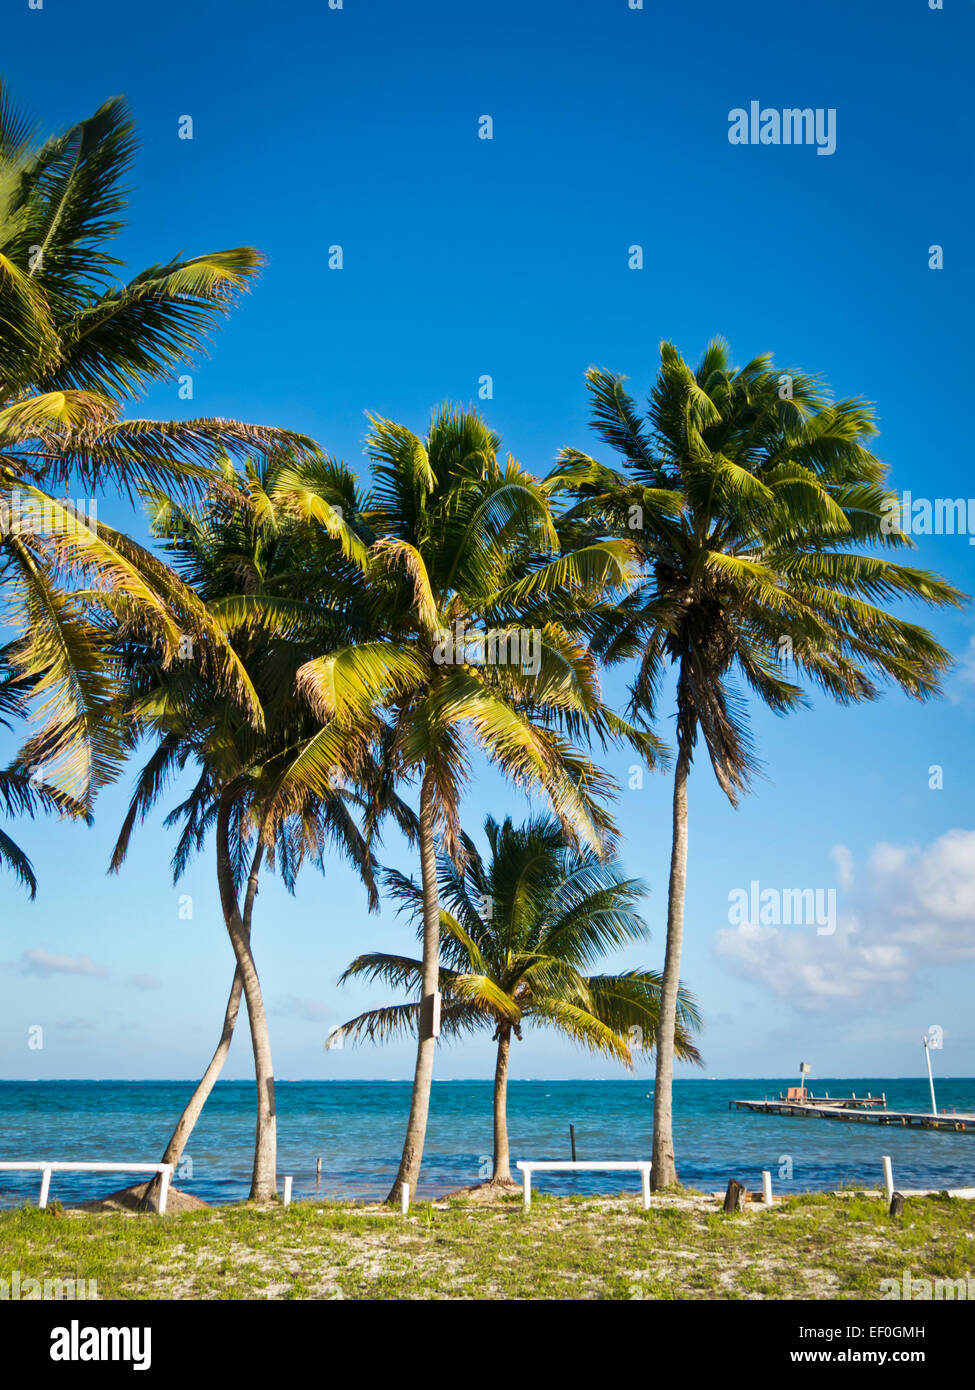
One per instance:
[(518, 934), (752, 496), (281, 592), (467, 593), (77, 345)]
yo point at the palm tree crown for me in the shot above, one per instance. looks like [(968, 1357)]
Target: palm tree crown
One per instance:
[(751, 496)]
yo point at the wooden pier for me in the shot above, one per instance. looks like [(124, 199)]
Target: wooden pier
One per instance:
[(855, 1111)]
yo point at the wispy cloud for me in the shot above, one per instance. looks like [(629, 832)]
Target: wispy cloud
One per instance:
[(40, 962), (915, 910), (307, 1010), (144, 982), (44, 964)]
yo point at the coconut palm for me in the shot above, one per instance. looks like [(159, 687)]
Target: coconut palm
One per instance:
[(753, 497), (467, 593), (21, 795), (518, 933), (279, 590), (77, 345)]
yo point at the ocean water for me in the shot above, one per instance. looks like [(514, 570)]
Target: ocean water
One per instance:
[(357, 1128)]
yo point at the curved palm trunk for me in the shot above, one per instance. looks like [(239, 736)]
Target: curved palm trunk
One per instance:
[(502, 1162), (194, 1106), (416, 1128), (664, 1171), (264, 1176)]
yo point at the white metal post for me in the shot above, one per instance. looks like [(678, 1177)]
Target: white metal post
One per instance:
[(45, 1187), (404, 1198), (167, 1173), (888, 1179), (645, 1174), (927, 1058), (287, 1191), (766, 1187), (528, 1188)]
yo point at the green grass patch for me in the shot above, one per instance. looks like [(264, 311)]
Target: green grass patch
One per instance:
[(805, 1247)]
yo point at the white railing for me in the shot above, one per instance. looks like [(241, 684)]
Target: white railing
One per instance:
[(642, 1167), (46, 1169)]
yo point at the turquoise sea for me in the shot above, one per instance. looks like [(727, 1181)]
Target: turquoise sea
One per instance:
[(357, 1128)]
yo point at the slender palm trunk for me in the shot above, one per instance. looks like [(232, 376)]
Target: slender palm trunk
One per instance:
[(194, 1106), (502, 1163), (416, 1129), (664, 1171), (264, 1176)]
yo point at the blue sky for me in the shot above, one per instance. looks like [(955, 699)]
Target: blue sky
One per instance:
[(466, 257)]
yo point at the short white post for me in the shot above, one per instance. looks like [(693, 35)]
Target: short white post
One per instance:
[(528, 1188), (287, 1191), (766, 1187), (888, 1179), (45, 1188), (645, 1176), (404, 1197), (167, 1173)]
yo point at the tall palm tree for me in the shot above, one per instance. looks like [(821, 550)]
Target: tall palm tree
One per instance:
[(518, 933), (280, 592), (456, 537), (753, 497), (77, 345)]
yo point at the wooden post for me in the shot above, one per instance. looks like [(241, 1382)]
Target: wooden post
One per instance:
[(897, 1204), (766, 1187), (318, 1171), (734, 1198), (572, 1141), (287, 1191)]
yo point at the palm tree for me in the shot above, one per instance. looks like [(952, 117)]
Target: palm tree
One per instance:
[(464, 560), (280, 592), (752, 496), (78, 344), (19, 794), (518, 932)]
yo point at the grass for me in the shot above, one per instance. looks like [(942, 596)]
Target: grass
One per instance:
[(807, 1247)]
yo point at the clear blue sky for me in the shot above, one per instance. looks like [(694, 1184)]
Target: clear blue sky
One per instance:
[(465, 257)]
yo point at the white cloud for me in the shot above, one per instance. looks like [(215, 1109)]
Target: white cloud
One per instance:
[(915, 910), (40, 962), (962, 677), (308, 1010), (144, 982), (843, 859)]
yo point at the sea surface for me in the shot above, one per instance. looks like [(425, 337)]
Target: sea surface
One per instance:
[(357, 1128)]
